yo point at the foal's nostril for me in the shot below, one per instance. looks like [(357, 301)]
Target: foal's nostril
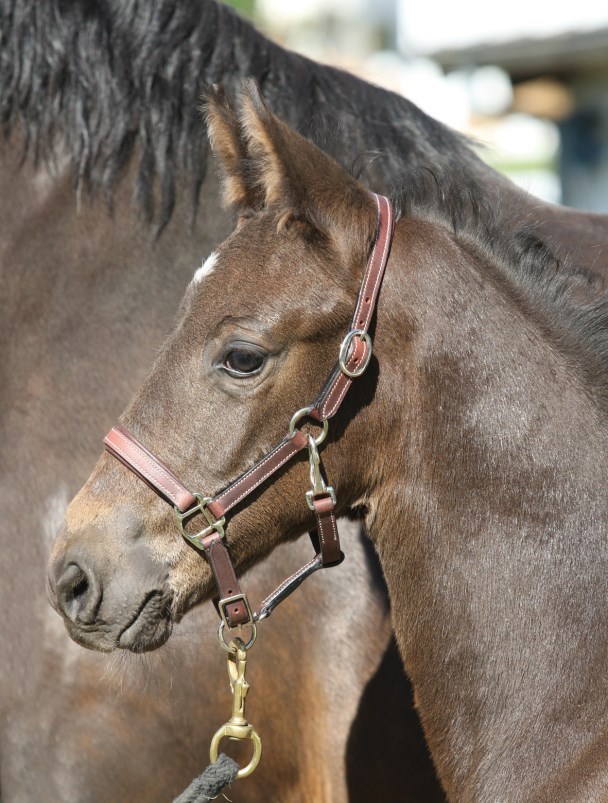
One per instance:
[(78, 594)]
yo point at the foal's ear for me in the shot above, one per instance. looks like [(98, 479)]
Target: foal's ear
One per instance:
[(240, 188), (302, 182)]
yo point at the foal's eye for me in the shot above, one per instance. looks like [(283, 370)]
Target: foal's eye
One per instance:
[(240, 362)]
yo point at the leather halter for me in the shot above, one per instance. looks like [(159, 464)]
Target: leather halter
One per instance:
[(355, 354)]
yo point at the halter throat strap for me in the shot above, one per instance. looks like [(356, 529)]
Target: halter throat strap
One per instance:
[(355, 354)]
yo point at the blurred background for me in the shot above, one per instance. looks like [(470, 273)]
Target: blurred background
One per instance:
[(527, 79)]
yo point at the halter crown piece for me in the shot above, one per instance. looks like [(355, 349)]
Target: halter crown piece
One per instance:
[(233, 606)]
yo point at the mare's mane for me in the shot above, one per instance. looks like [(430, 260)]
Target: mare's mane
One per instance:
[(552, 290), (103, 80)]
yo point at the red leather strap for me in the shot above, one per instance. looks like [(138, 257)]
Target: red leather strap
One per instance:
[(264, 468), (331, 396), (136, 457), (235, 611), (327, 530)]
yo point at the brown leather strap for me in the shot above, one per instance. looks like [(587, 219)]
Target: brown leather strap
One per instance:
[(327, 530), (333, 392), (264, 468), (287, 587), (233, 604), (135, 456)]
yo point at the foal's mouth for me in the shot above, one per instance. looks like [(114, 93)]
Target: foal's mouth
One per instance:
[(151, 625), (147, 629)]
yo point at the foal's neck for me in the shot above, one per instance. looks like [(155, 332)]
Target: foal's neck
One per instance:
[(491, 532)]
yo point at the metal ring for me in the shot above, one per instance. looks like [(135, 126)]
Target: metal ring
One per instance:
[(302, 414), (343, 357), (226, 731), (229, 647)]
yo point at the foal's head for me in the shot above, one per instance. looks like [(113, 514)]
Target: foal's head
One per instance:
[(257, 332)]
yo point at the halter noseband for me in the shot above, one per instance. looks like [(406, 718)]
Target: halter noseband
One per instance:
[(354, 357)]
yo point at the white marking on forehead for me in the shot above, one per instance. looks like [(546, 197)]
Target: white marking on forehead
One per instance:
[(206, 268)]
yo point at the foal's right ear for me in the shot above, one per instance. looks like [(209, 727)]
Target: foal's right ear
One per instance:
[(240, 188)]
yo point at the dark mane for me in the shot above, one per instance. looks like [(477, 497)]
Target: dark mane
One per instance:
[(565, 300), (104, 80)]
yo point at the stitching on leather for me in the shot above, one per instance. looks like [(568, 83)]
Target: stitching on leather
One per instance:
[(386, 244), (380, 273), (292, 450), (371, 259), (338, 402), (335, 529), (324, 408), (320, 531), (347, 383), (332, 390), (173, 495), (286, 582), (323, 524)]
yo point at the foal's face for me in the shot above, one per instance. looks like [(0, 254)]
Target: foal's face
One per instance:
[(257, 333)]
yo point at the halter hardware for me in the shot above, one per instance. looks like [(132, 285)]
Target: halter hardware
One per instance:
[(319, 487), (213, 524), (237, 726), (353, 373), (223, 604), (304, 413)]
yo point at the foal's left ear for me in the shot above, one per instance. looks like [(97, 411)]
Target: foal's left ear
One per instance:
[(303, 183)]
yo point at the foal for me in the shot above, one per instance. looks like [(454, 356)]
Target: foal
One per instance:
[(474, 448)]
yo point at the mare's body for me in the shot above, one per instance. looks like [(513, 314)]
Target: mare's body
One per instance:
[(87, 297)]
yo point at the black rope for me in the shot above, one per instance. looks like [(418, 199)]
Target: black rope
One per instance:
[(208, 785)]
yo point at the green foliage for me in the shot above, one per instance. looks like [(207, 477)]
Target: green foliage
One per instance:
[(244, 7)]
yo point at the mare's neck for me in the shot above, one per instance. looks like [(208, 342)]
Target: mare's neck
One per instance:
[(205, 42), (491, 533)]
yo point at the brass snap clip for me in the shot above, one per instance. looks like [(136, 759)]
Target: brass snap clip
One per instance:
[(319, 488), (237, 726)]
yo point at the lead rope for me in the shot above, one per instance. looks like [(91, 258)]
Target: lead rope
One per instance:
[(208, 785), (223, 770)]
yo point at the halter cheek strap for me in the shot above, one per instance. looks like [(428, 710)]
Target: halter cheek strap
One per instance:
[(355, 354)]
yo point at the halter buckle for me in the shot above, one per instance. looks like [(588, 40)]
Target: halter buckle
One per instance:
[(319, 487), (344, 349), (226, 601), (213, 524)]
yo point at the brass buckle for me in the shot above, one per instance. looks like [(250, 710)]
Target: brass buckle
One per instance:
[(345, 346), (213, 524), (223, 604), (311, 496)]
